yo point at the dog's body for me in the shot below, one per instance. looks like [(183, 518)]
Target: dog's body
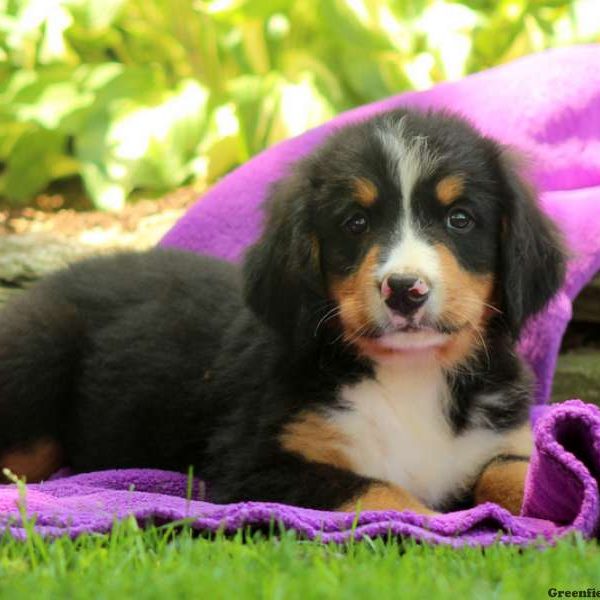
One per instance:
[(364, 355)]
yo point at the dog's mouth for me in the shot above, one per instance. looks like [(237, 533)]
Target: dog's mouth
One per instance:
[(412, 327), (409, 337)]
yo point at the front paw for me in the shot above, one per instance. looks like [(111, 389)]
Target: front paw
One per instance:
[(383, 496), (503, 483)]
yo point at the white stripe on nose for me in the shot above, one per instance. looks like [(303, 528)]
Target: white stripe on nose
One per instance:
[(417, 257)]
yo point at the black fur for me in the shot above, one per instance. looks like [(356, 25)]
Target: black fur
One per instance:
[(532, 254), (167, 359)]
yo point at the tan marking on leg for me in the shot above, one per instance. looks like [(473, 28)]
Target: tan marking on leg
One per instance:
[(365, 191), (503, 483), (36, 462), (384, 496), (466, 305), (314, 438), (449, 189), (355, 295)]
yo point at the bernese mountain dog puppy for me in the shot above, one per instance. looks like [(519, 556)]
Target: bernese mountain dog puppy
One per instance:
[(363, 356)]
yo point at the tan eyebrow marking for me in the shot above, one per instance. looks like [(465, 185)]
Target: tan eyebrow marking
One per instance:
[(450, 188), (365, 191)]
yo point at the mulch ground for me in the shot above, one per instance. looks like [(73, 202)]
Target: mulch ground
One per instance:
[(71, 222), (37, 240)]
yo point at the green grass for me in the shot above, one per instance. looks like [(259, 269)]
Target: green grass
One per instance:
[(155, 563), (578, 376)]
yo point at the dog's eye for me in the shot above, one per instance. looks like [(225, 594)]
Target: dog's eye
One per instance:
[(356, 224), (460, 220)]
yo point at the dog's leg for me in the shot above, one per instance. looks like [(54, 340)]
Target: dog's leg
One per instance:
[(35, 461), (502, 481), (39, 339), (385, 496), (291, 479)]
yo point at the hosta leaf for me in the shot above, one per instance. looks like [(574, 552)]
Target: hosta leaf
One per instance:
[(31, 164), (93, 77), (295, 62), (299, 107), (10, 132), (138, 83), (96, 14), (53, 45), (106, 194), (221, 147), (356, 22), (142, 145), (363, 74), (48, 104)]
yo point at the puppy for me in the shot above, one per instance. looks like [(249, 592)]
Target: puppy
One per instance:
[(364, 356)]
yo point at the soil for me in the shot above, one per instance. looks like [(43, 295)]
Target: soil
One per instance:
[(34, 241)]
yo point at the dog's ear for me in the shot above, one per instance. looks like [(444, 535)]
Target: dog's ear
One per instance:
[(283, 281), (532, 251)]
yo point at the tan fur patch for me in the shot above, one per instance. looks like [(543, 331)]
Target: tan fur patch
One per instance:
[(365, 191), (504, 484), (384, 496), (36, 462), (449, 189), (355, 295), (467, 305), (312, 437)]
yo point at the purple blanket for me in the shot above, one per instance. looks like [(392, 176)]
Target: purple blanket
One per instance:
[(547, 105)]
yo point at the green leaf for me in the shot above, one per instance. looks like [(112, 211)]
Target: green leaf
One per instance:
[(106, 193), (96, 14), (298, 106), (48, 104), (363, 74), (131, 144), (357, 23), (221, 147), (10, 132), (94, 77), (31, 164)]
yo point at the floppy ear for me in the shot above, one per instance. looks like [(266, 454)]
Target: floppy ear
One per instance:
[(283, 283), (533, 256)]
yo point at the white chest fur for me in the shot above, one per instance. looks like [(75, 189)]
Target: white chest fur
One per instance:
[(396, 431)]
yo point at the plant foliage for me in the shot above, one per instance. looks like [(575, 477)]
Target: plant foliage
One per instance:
[(152, 94)]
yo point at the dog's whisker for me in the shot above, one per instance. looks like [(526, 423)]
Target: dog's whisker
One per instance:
[(331, 314)]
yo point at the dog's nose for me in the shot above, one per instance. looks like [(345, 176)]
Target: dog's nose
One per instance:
[(404, 294)]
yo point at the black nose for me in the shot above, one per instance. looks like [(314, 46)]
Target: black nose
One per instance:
[(405, 294)]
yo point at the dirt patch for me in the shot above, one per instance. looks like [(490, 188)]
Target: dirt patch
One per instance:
[(69, 222), (34, 242)]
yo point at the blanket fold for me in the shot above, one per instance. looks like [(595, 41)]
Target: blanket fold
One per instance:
[(561, 497)]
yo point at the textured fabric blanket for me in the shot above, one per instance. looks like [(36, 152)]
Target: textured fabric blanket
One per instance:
[(548, 106), (561, 496)]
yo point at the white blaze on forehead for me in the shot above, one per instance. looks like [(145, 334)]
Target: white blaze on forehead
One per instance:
[(410, 160)]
